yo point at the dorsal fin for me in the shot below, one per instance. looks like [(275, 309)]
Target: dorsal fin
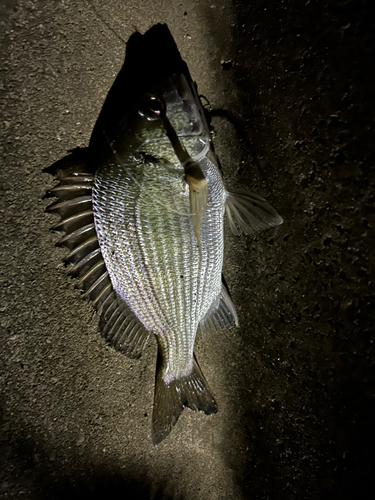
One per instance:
[(121, 328), (118, 324)]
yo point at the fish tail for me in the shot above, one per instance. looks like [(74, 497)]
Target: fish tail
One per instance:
[(190, 391)]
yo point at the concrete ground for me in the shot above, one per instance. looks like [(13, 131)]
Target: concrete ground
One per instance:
[(291, 87)]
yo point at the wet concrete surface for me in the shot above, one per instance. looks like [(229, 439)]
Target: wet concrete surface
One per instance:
[(291, 89)]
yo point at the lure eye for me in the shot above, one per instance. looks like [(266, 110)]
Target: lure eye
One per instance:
[(156, 106), (152, 108)]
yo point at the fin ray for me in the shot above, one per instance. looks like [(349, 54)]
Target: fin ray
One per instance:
[(100, 299), (82, 250), (92, 275), (170, 399), (77, 179), (118, 324), (72, 240), (248, 212), (70, 207), (96, 288), (67, 192), (115, 323), (222, 314), (74, 222)]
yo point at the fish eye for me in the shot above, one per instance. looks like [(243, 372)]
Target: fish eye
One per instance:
[(152, 108)]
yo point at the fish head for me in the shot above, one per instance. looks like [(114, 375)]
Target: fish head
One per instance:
[(153, 115), (167, 124), (153, 67), (140, 126)]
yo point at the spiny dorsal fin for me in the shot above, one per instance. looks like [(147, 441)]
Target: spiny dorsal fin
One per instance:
[(118, 324), (121, 328)]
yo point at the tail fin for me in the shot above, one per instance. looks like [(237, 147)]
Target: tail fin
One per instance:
[(170, 399)]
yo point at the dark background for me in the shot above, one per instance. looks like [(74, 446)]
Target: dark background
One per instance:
[(291, 88)]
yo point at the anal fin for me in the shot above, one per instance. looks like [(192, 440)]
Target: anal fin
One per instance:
[(222, 314)]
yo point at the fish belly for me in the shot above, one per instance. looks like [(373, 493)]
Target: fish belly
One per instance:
[(150, 250)]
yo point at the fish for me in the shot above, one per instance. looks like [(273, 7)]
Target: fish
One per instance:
[(143, 214)]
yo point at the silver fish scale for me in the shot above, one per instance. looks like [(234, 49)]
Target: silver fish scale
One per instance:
[(145, 231)]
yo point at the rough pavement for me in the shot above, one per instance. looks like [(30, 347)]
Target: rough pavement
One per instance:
[(292, 92)]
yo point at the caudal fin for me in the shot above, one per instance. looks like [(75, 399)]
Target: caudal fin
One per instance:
[(170, 399)]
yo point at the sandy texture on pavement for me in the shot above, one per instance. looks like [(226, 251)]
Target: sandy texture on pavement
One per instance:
[(290, 87)]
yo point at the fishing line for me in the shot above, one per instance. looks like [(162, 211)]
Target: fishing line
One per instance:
[(186, 161), (99, 15)]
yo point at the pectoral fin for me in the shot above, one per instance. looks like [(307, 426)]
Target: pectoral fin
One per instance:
[(248, 212)]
